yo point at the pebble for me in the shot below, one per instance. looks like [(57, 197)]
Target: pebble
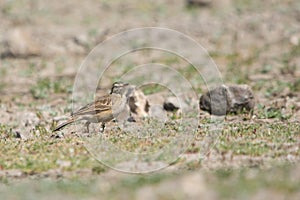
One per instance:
[(171, 104), (201, 3), (19, 43), (175, 103), (138, 103)]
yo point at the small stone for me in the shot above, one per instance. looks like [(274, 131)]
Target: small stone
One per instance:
[(215, 101), (131, 119), (57, 135), (138, 103), (171, 104), (227, 99), (201, 3), (295, 40), (240, 98), (14, 173), (18, 134), (19, 43), (177, 103), (81, 40)]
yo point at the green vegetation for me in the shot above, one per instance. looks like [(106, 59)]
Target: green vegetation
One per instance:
[(44, 153), (152, 88), (44, 87)]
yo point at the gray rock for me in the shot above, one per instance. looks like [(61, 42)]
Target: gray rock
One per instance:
[(227, 99), (215, 101), (198, 2), (240, 97), (82, 40), (138, 103), (176, 104), (295, 39), (185, 102)]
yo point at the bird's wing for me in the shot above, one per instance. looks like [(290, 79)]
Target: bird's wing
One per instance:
[(101, 104)]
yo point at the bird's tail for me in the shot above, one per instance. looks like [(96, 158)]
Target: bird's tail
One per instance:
[(70, 121)]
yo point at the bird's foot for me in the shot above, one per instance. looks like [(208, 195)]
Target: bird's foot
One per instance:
[(102, 128), (87, 124)]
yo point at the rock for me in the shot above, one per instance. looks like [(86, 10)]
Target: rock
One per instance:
[(227, 99), (19, 43), (82, 40), (171, 104), (17, 134), (198, 2), (57, 135), (241, 98), (138, 103), (295, 40)]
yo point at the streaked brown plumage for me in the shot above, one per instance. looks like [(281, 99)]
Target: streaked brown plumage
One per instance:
[(103, 109)]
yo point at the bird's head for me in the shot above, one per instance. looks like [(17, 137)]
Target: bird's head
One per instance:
[(119, 88)]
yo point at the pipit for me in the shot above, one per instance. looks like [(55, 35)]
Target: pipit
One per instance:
[(103, 109)]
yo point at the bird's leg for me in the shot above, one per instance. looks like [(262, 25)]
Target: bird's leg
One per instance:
[(87, 124), (102, 127)]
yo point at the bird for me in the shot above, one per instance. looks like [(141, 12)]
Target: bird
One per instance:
[(103, 109)]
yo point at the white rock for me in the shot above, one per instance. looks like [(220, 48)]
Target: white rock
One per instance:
[(295, 40), (138, 103), (20, 43)]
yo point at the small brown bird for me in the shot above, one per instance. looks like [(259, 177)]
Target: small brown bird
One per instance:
[(103, 109)]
